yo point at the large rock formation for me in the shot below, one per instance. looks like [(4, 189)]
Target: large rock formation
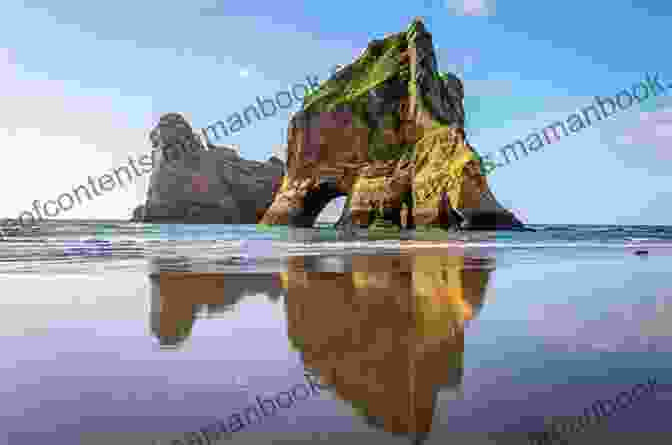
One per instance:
[(387, 131), (215, 186)]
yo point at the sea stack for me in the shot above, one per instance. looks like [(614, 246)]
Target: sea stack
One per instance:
[(388, 128), (195, 184)]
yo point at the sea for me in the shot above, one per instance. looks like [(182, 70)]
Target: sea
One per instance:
[(125, 333)]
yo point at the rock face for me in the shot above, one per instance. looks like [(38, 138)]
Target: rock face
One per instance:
[(387, 132), (193, 185)]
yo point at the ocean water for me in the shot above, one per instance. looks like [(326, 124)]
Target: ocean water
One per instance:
[(114, 332)]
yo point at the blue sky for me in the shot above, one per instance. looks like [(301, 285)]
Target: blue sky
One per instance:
[(83, 83)]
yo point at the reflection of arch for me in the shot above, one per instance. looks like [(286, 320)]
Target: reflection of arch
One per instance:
[(387, 336), (179, 298), (314, 202), (174, 330)]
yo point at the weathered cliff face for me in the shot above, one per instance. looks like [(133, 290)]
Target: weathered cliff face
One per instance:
[(387, 131), (193, 185)]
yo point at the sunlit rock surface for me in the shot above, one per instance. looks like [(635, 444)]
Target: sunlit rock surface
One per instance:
[(387, 132)]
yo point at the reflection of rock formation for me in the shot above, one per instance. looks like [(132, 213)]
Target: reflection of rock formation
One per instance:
[(387, 336), (179, 298), (386, 131)]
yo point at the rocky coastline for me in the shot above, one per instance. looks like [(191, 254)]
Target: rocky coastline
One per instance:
[(386, 132)]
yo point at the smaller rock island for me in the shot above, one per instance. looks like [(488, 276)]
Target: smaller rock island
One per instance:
[(192, 184)]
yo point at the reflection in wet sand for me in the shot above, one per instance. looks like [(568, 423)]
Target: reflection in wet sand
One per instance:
[(389, 335), (179, 298), (385, 332)]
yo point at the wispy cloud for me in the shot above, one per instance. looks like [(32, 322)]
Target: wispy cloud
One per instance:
[(471, 7), (654, 129), (56, 140)]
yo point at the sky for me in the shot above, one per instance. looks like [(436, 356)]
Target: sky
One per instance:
[(83, 83)]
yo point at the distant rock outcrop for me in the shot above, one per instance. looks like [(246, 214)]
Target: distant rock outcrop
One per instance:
[(387, 132), (215, 186)]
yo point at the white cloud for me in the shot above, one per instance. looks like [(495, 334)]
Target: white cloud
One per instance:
[(471, 7), (56, 140)]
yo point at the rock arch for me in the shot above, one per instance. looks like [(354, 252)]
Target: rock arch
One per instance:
[(315, 200), (389, 125)]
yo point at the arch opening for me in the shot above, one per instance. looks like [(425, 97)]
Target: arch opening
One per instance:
[(332, 212), (313, 204)]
